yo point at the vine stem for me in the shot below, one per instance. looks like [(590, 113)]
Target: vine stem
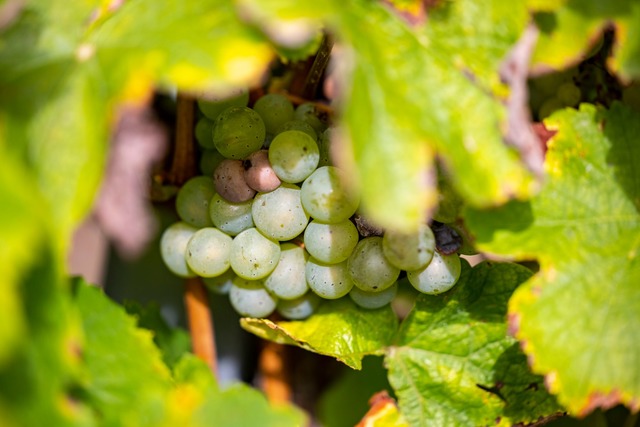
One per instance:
[(273, 368), (183, 165), (200, 322)]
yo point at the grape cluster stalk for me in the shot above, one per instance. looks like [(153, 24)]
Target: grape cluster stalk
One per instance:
[(270, 221)]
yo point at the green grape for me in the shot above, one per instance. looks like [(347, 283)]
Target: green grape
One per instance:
[(275, 110), (232, 218), (238, 132), (373, 300), (253, 256), (204, 133), (212, 105), (369, 268), (293, 156), (330, 243), (250, 298), (220, 284), (173, 248), (330, 281), (279, 214), (549, 106), (439, 276), (208, 252), (209, 161), (299, 308), (409, 251), (569, 94), (288, 281), (308, 113), (325, 195), (300, 126), (192, 201), (324, 145)]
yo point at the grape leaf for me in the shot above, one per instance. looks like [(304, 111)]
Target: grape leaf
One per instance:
[(339, 329), (403, 102), (569, 28), (583, 230), (66, 70), (453, 363)]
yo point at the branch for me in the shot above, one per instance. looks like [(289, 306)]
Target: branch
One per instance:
[(200, 322)]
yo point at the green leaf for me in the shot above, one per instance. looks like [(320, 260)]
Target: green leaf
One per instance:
[(41, 380), (574, 317), (172, 342), (569, 27), (127, 379), (339, 329), (455, 365), (467, 30)]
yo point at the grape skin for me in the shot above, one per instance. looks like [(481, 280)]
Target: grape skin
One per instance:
[(293, 155), (250, 298), (409, 251), (279, 213), (330, 281), (253, 256), (220, 284), (275, 110), (373, 300), (439, 276), (369, 268), (238, 132), (173, 248), (299, 308), (288, 280), (232, 218), (259, 174), (212, 105), (330, 243), (325, 195), (229, 181), (192, 201), (208, 252)]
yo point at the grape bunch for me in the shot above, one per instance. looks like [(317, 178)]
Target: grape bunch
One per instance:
[(271, 220)]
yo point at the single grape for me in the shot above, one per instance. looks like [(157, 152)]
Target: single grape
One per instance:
[(232, 218), (238, 132), (192, 201), (330, 281), (308, 113), (208, 252), (330, 243), (298, 125), (279, 214), (173, 248), (209, 161), (258, 173), (250, 298), (293, 156), (229, 182), (204, 133), (253, 256), (288, 280), (212, 105), (409, 251), (373, 300), (299, 308), (369, 268), (326, 197), (439, 276), (220, 284), (275, 110)]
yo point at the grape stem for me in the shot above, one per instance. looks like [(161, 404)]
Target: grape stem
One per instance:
[(200, 322), (308, 74), (183, 165)]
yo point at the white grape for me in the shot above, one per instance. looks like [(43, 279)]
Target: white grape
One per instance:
[(439, 276), (253, 255), (173, 248), (369, 268), (250, 298)]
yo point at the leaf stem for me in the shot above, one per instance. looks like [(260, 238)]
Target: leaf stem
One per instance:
[(200, 322)]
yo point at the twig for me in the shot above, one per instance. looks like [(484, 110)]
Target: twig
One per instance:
[(317, 68), (200, 322), (183, 166), (275, 378)]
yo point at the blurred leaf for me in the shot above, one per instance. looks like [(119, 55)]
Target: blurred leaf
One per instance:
[(172, 342), (454, 364), (574, 317), (339, 329), (40, 382)]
